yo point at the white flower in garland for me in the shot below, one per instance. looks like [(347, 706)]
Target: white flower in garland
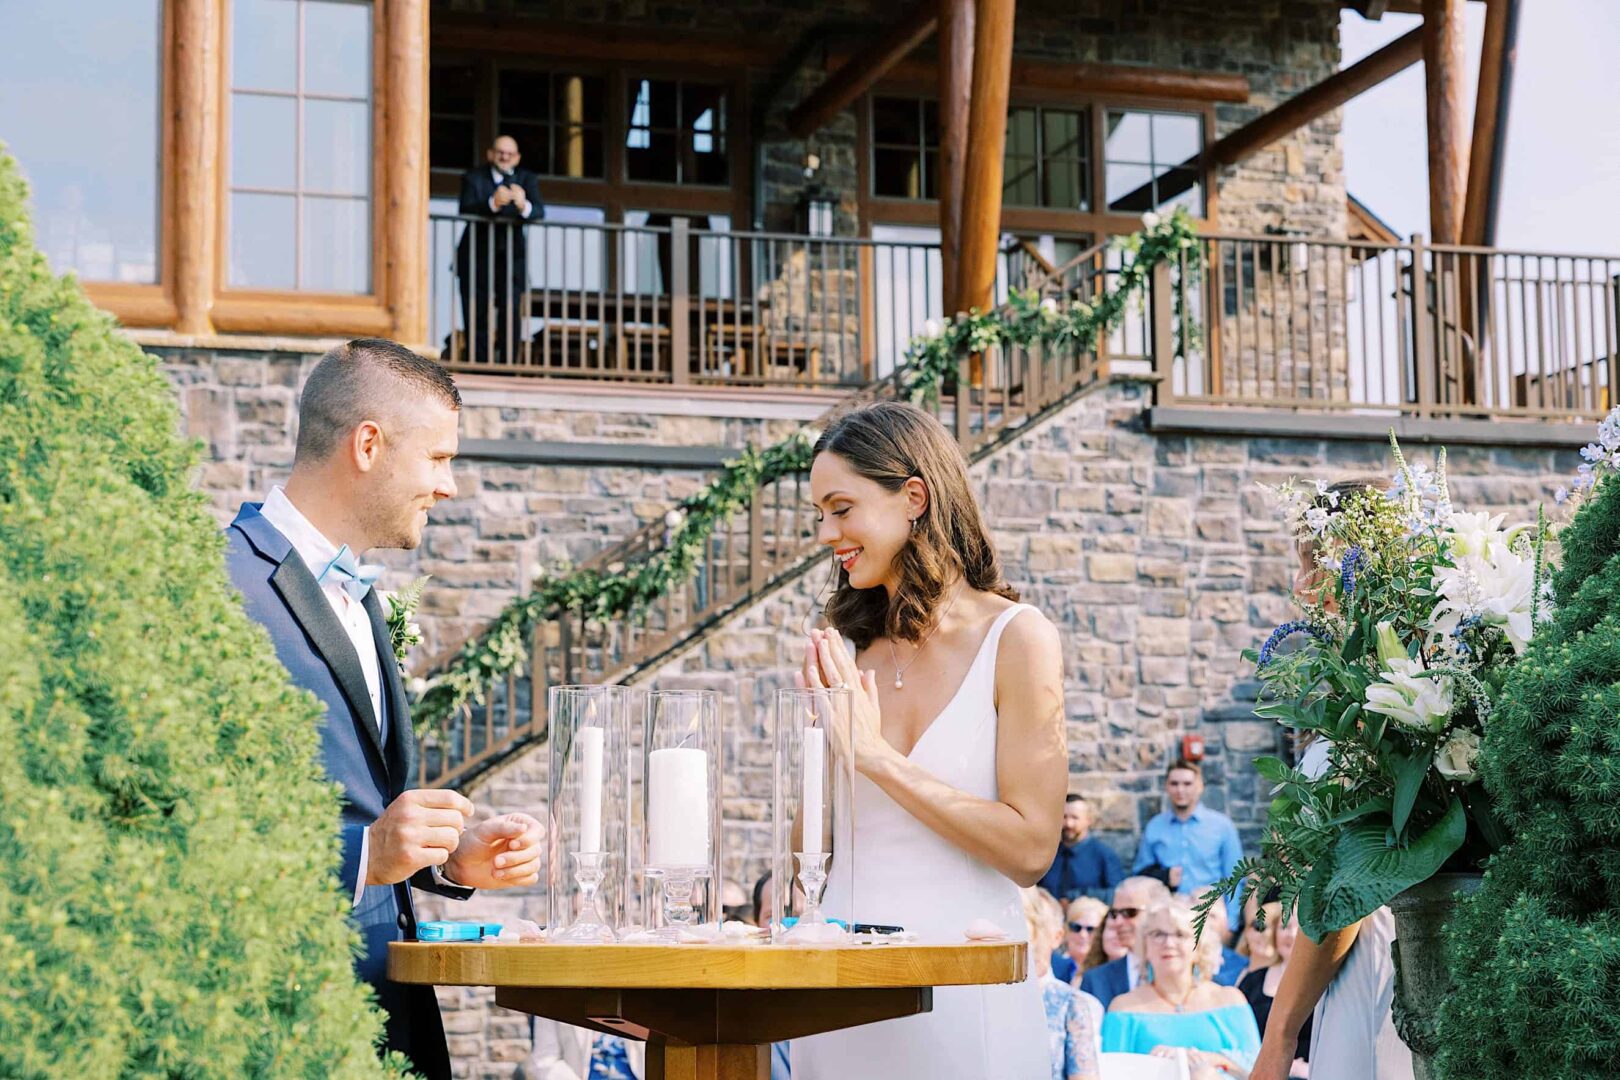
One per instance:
[(674, 519), (1458, 757), (931, 328), (1150, 220)]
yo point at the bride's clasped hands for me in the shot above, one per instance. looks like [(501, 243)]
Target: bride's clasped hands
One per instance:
[(829, 665)]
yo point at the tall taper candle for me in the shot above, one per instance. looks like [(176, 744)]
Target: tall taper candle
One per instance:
[(588, 740), (815, 770), (678, 808)]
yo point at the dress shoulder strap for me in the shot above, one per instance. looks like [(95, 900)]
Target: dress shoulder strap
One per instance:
[(992, 643)]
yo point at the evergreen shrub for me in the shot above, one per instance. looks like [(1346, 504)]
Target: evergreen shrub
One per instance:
[(1535, 954), (169, 905)]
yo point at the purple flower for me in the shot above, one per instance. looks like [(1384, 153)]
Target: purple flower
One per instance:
[(1285, 631), (1353, 558)]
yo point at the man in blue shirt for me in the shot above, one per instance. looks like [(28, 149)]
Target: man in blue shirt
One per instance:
[(1084, 866), (1189, 846)]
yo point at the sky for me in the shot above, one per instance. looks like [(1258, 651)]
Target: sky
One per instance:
[(1561, 188)]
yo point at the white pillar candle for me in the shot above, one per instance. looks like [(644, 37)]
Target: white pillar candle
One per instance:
[(678, 808), (815, 769), (588, 740)]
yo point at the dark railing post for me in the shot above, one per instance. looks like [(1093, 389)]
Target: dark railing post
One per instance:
[(1161, 314), (1422, 343), (680, 291)]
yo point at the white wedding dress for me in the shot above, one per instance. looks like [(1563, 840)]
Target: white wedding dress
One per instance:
[(908, 875)]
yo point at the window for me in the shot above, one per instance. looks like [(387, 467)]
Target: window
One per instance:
[(1047, 160), (299, 214), (556, 119), (1148, 155), (453, 116), (905, 148), (676, 133), (80, 110)]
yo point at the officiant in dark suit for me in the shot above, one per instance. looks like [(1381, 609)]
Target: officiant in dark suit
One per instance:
[(492, 256), (377, 429)]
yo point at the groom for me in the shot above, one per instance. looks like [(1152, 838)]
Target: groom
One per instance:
[(376, 433)]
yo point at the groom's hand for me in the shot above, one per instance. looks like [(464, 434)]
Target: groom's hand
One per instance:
[(419, 829), (501, 853)]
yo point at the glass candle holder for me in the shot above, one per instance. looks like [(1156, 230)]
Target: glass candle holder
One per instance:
[(589, 809), (682, 808), (812, 825)]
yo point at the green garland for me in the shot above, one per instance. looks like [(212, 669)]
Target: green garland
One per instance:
[(616, 590)]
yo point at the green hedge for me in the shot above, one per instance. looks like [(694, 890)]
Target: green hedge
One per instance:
[(1535, 955), (168, 901)]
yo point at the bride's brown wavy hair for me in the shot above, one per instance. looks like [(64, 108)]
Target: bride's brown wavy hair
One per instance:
[(889, 443)]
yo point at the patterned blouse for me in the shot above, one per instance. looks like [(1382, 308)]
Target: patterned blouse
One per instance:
[(609, 1058), (1069, 1031)]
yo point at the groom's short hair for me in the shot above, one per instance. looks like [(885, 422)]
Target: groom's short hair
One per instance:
[(365, 379)]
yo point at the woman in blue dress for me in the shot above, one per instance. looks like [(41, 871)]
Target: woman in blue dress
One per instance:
[(1178, 1006)]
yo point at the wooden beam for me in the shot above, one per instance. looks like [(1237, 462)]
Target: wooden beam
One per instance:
[(1323, 98), (405, 168), (1444, 59), (955, 88), (1183, 84), (516, 35), (851, 80), (987, 138), (1488, 148), (194, 119), (1293, 114)]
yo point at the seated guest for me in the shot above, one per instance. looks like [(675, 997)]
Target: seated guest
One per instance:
[(1178, 1005), (1133, 897), (1260, 987), (764, 906), (1071, 1025), (1257, 942), (564, 1052), (1233, 962), (1080, 925), (1084, 866)]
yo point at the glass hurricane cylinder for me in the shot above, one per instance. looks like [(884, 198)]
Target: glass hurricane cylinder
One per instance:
[(682, 809), (812, 817), (589, 810)]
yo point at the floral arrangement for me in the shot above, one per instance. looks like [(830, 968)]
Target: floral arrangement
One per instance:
[(1413, 618), (619, 589)]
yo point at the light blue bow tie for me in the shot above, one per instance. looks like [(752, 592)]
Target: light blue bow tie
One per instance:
[(355, 576)]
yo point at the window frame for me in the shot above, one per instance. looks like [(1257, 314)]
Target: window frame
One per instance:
[(1021, 220), (615, 194), (243, 309)]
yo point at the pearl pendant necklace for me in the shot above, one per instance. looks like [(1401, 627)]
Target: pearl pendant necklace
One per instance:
[(900, 669)]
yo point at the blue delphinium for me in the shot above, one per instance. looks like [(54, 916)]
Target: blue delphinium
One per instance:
[(1285, 631), (1353, 559)]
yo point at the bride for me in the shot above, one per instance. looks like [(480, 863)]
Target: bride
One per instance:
[(958, 738)]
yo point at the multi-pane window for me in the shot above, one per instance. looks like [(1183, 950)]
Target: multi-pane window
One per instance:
[(905, 148), (453, 115), (1151, 160), (80, 107), (1048, 159), (301, 147), (677, 133), (556, 119)]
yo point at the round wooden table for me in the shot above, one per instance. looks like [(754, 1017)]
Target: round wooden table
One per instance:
[(710, 1012)]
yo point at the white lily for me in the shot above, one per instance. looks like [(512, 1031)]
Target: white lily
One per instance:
[(1407, 695), (1494, 588), (1458, 757), (1473, 534)]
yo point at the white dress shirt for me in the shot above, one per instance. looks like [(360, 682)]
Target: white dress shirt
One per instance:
[(317, 551)]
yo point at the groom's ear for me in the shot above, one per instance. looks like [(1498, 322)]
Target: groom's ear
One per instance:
[(365, 445)]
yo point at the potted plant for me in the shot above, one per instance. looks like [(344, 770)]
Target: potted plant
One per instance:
[(1414, 617)]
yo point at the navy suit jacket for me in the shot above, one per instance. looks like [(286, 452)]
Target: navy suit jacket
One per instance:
[(373, 766), (1105, 982)]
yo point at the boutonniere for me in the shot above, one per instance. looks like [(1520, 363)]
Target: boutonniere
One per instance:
[(403, 631)]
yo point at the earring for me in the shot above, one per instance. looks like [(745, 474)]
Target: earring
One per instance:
[(1147, 973), (1198, 972), (913, 523)]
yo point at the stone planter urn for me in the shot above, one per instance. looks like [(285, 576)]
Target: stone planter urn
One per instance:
[(1421, 978)]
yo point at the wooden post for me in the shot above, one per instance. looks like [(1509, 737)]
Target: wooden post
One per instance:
[(1161, 309), (194, 120), (680, 311), (1489, 144), (987, 137), (955, 85), (1423, 335), (405, 167), (1443, 67)]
